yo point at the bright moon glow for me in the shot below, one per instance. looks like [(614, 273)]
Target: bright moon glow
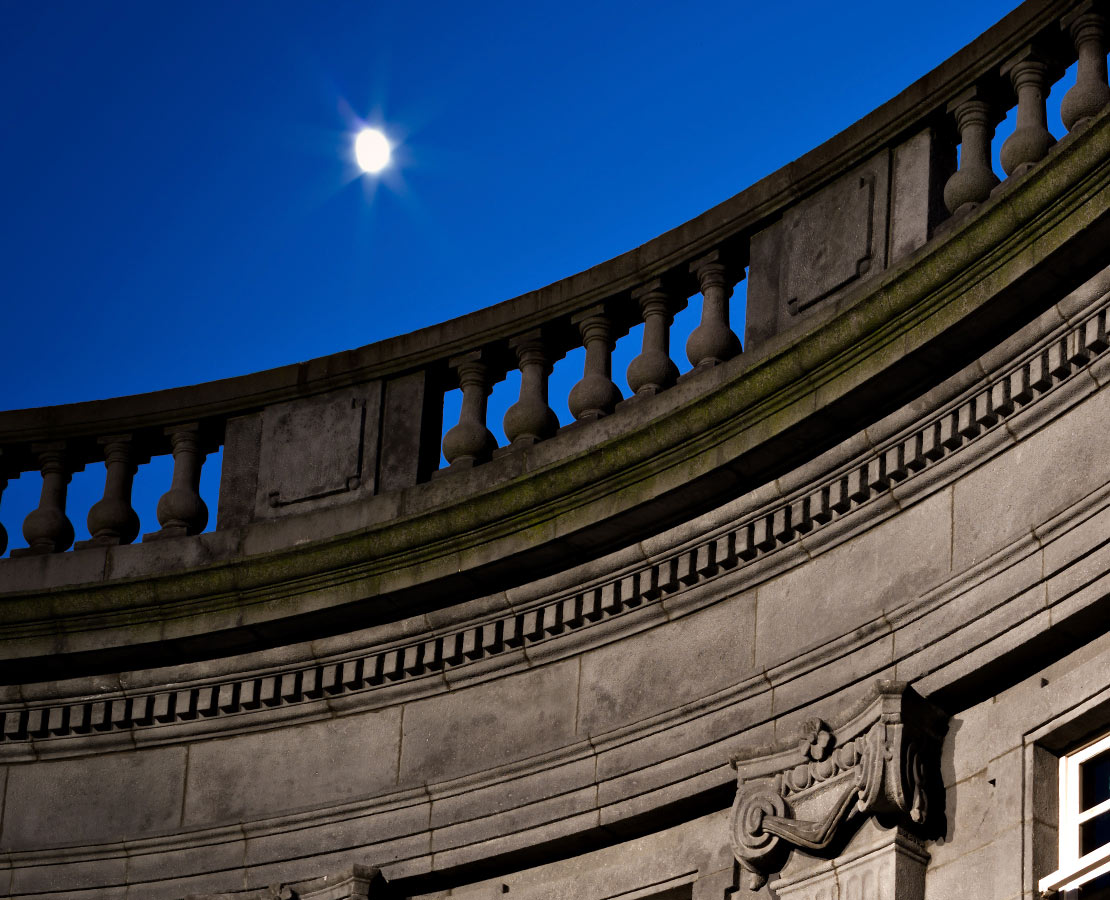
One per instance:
[(371, 150)]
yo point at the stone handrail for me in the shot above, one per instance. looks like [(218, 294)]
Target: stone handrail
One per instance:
[(850, 209)]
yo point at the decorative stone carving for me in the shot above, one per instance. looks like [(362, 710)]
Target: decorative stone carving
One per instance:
[(817, 740), (1090, 93), (881, 763)]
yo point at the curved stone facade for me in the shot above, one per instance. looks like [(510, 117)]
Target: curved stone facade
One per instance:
[(817, 619)]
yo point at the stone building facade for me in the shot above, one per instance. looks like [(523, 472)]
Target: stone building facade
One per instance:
[(823, 618)]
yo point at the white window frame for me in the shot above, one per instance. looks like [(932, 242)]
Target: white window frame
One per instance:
[(1075, 870)]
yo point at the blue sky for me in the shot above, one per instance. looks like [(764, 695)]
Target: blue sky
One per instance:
[(180, 201)]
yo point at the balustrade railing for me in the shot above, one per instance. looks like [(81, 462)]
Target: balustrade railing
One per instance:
[(370, 421)]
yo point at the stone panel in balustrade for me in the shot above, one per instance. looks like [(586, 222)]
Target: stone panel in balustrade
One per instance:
[(302, 455), (328, 449), (845, 233), (319, 451)]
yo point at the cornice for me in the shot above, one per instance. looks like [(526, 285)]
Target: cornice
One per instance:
[(828, 501), (992, 259), (597, 783)]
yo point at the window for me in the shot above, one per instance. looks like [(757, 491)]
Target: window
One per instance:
[(1084, 863)]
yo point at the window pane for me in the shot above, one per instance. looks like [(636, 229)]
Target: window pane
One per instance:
[(1095, 777), (1094, 833), (1096, 889)]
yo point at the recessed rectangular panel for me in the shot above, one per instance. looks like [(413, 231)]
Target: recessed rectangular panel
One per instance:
[(319, 447), (1094, 833), (1095, 781), (829, 240), (823, 245)]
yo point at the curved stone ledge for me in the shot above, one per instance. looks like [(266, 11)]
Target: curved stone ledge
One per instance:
[(842, 481), (922, 100), (657, 763), (667, 758), (1053, 220), (563, 646)]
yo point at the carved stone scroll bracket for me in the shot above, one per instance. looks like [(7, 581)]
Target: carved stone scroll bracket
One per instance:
[(883, 762)]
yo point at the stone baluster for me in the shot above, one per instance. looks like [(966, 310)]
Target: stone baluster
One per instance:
[(973, 182), (654, 370), (111, 519), (531, 419), (1090, 93), (46, 528), (181, 511), (713, 341), (3, 530), (470, 442), (595, 395), (1029, 73)]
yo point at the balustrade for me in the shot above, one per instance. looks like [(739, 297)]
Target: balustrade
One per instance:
[(181, 511), (661, 279), (1090, 93), (470, 442), (654, 370), (595, 395), (531, 419), (713, 341)]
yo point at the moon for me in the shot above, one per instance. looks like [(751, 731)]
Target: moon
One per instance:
[(372, 150)]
